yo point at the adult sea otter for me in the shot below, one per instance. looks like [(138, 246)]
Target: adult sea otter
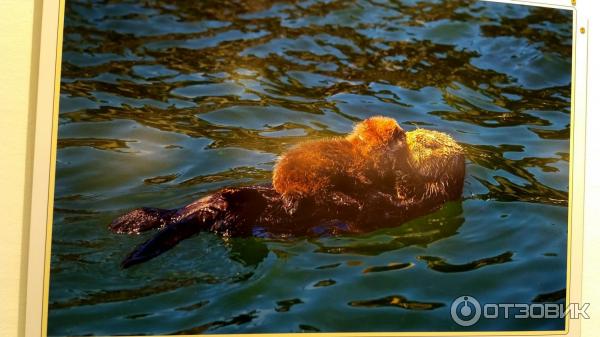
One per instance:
[(377, 176)]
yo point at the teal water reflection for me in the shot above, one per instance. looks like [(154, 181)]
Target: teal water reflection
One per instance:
[(163, 102)]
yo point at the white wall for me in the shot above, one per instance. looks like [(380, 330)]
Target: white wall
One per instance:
[(16, 35)]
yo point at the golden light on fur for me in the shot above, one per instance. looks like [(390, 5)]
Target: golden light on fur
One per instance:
[(420, 166), (431, 152), (376, 133), (312, 166), (437, 160), (319, 166)]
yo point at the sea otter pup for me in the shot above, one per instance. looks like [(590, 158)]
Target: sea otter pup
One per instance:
[(405, 175), (324, 171)]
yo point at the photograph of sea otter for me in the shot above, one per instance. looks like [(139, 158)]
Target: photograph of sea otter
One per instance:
[(308, 165)]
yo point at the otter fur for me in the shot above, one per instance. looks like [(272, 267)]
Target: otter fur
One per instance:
[(317, 171), (377, 176), (436, 169)]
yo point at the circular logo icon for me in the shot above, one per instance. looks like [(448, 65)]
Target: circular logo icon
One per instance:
[(465, 310)]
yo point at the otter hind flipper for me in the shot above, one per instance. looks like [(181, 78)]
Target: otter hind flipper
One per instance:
[(141, 220), (231, 211), (162, 241)]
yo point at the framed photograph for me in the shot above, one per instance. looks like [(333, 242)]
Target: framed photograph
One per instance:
[(341, 167)]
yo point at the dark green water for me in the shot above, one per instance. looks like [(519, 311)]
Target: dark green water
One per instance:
[(163, 102)]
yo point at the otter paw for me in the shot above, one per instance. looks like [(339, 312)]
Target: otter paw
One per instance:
[(290, 204), (344, 200)]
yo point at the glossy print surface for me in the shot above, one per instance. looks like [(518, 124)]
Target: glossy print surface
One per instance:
[(163, 102)]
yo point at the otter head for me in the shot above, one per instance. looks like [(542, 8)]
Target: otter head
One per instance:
[(437, 161), (379, 137)]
